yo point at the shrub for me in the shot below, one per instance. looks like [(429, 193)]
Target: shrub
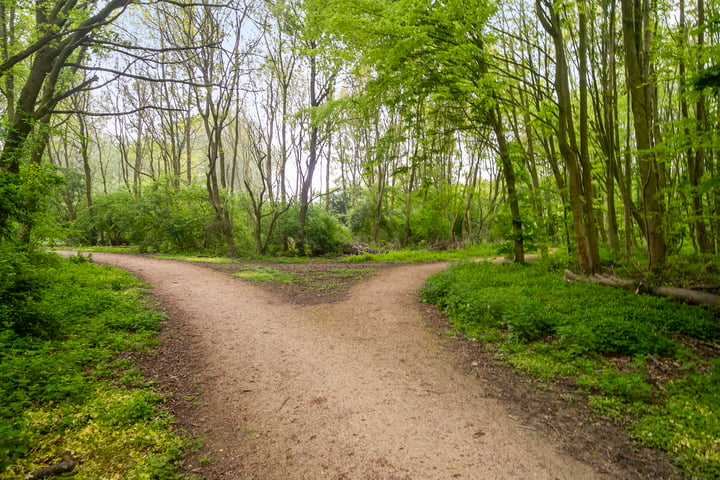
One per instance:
[(362, 218), (323, 233), (163, 219), (22, 284)]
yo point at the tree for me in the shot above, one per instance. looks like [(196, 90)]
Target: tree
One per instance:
[(636, 30), (576, 157), (321, 61), (61, 32), (433, 53), (210, 44)]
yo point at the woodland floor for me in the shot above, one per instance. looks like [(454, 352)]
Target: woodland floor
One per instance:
[(358, 380)]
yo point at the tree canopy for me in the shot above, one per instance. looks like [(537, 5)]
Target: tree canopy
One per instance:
[(411, 123)]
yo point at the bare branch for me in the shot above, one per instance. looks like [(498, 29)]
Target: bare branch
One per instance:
[(188, 4), (50, 104), (122, 46), (117, 114), (143, 77)]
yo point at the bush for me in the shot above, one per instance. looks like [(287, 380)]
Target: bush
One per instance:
[(112, 221), (362, 218), (22, 285), (162, 219), (430, 221), (323, 233)]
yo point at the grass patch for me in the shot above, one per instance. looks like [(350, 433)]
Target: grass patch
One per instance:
[(195, 258), (260, 273), (229, 260), (104, 249), (607, 341), (417, 256), (333, 280), (70, 392)]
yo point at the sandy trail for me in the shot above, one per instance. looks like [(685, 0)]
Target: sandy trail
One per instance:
[(357, 389)]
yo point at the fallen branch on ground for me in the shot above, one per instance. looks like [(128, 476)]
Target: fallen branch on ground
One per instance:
[(67, 465), (686, 295)]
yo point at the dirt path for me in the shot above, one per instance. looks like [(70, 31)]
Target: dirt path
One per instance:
[(356, 389)]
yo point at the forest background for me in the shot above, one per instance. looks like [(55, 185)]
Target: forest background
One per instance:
[(300, 127)]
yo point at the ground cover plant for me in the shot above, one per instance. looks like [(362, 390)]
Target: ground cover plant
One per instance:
[(260, 273), (308, 282), (650, 363), (69, 388), (481, 250)]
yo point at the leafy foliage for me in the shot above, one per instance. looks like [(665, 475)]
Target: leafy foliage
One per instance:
[(531, 303), (161, 219), (22, 288), (323, 233), (68, 391)]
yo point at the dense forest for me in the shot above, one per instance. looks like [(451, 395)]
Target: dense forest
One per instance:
[(305, 126)]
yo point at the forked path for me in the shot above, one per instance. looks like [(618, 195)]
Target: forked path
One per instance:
[(357, 389)]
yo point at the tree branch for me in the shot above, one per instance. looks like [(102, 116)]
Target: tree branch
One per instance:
[(142, 77), (117, 114)]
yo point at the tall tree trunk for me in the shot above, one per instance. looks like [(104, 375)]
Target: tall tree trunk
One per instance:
[(579, 174), (696, 162), (318, 94), (608, 115), (635, 18), (509, 175), (591, 233)]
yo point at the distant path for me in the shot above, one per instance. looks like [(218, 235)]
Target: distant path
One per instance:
[(357, 389)]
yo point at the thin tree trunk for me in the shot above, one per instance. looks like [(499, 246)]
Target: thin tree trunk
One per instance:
[(509, 175)]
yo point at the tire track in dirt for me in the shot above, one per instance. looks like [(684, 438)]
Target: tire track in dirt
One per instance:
[(356, 389)]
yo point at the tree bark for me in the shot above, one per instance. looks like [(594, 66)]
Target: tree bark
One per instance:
[(509, 175), (576, 159), (639, 84)]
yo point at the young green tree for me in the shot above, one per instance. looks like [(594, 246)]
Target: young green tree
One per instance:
[(424, 52)]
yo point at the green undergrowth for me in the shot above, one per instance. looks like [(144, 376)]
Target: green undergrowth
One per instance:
[(260, 273), (244, 258), (417, 256), (483, 250), (100, 248), (70, 389), (629, 353)]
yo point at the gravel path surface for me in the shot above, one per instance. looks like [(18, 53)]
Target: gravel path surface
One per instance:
[(355, 389)]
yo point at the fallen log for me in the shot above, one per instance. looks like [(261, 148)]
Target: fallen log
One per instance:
[(695, 297), (686, 295), (67, 465)]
